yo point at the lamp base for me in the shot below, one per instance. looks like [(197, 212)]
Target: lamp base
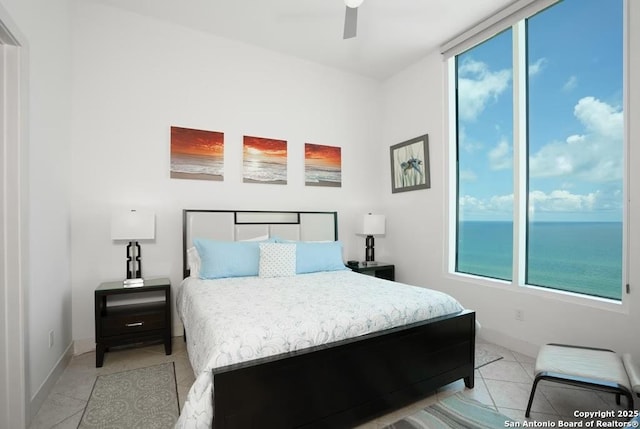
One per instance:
[(139, 282), (134, 264), (369, 252)]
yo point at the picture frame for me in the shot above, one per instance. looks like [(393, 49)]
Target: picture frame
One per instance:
[(322, 165), (196, 154), (264, 160), (410, 165)]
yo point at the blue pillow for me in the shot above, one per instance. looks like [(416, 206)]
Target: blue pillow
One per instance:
[(312, 257), (227, 258)]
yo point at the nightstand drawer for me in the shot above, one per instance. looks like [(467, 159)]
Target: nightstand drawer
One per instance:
[(126, 319), (132, 323)]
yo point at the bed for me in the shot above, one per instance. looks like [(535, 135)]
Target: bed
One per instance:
[(321, 347)]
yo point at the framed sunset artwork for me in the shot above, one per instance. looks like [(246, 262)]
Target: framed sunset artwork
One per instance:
[(264, 160), (322, 165), (197, 154)]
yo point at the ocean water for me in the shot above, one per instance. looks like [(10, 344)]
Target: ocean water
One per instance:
[(264, 171), (582, 257), (317, 174), (182, 163)]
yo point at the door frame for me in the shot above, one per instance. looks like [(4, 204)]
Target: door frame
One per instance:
[(13, 225)]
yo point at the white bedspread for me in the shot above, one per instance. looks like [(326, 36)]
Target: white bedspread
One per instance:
[(238, 319)]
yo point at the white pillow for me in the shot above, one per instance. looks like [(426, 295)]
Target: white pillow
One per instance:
[(193, 262), (277, 260), (259, 238)]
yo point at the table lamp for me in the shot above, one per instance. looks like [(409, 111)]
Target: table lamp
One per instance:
[(372, 225), (132, 226)]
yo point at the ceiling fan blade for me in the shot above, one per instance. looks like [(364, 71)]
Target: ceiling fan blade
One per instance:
[(350, 22)]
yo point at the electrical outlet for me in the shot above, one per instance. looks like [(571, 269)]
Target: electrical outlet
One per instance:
[(519, 315), (50, 339)]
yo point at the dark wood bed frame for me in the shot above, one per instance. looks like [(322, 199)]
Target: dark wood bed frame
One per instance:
[(345, 383)]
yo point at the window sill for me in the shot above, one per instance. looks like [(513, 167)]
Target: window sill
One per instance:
[(620, 307)]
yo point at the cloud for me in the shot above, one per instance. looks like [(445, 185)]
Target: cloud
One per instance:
[(556, 201), (478, 86), (468, 176), (502, 203), (595, 156), (537, 67), (570, 84), (501, 156), (561, 201), (470, 204), (495, 204), (600, 118), (466, 143)]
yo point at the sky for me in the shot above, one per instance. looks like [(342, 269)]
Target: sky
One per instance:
[(322, 156), (575, 132), (187, 141), (260, 149)]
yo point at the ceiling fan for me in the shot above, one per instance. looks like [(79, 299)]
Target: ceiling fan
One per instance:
[(351, 18)]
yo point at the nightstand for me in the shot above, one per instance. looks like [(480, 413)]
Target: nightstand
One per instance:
[(138, 322), (376, 269)]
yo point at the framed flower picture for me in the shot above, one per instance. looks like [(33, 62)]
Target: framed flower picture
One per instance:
[(410, 165)]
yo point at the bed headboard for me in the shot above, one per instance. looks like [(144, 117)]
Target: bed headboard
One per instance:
[(234, 225)]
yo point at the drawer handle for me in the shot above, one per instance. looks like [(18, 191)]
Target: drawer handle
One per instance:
[(131, 325)]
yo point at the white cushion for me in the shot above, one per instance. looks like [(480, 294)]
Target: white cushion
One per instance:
[(632, 371), (258, 238), (277, 260), (582, 362)]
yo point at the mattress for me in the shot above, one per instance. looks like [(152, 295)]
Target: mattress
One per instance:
[(234, 320)]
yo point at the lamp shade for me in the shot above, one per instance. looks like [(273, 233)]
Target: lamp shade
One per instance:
[(373, 224), (133, 225), (353, 3)]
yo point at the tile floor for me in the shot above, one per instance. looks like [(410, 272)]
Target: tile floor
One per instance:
[(503, 385), (64, 406)]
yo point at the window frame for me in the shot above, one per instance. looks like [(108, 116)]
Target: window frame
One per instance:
[(514, 17)]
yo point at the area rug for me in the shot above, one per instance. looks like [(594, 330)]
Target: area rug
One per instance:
[(139, 398), (454, 412), (484, 356)]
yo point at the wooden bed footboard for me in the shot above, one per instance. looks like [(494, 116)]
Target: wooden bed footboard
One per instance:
[(348, 382)]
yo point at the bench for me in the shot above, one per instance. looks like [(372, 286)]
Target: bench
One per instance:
[(594, 368)]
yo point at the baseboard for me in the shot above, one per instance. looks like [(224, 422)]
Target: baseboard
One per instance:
[(512, 343), (47, 385)]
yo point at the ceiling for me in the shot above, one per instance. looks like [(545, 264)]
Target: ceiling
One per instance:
[(392, 34)]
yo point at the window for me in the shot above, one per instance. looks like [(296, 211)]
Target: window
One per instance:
[(485, 167), (540, 150)]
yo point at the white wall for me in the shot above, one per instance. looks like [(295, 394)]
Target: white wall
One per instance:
[(49, 207), (45, 24), (414, 103), (134, 77)]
